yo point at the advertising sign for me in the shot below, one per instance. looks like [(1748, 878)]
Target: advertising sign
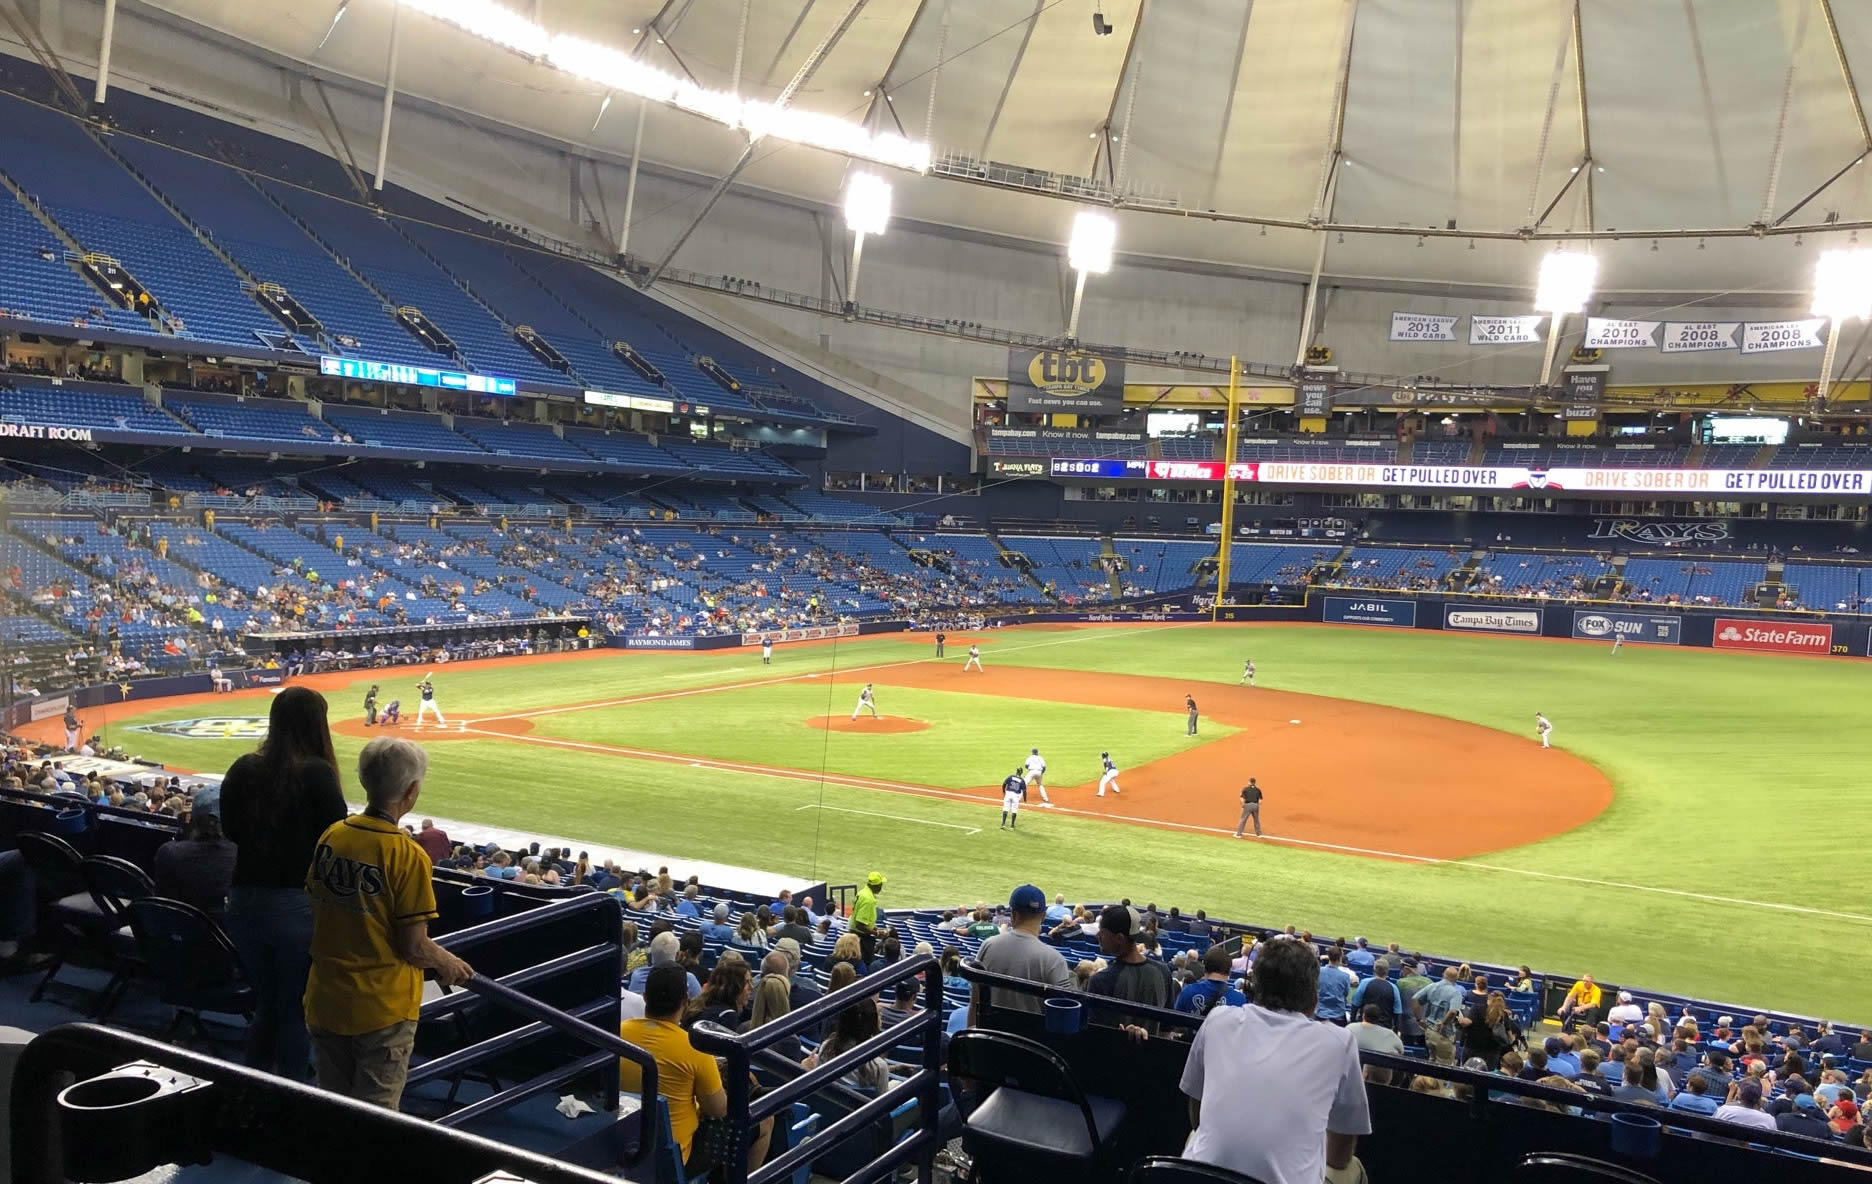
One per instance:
[(1131, 470), (1634, 479), (47, 708), (1064, 380), (1349, 610), (1650, 628), (638, 641), (809, 633), (1478, 619), (1017, 468), (1773, 637)]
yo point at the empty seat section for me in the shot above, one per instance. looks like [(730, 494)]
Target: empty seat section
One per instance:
[(39, 285), (70, 408), (249, 419), (1275, 563), (98, 203), (519, 439), (1067, 566), (1396, 567), (1160, 565), (407, 431), (1521, 574), (627, 450)]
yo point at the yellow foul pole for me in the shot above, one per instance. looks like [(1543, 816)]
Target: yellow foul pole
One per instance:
[(1228, 485)]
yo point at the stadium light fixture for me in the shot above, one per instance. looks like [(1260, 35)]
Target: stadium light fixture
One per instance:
[(618, 70), (1089, 250), (1566, 283), (867, 211), (1842, 292)]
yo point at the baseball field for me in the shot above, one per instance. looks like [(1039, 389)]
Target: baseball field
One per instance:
[(1695, 828)]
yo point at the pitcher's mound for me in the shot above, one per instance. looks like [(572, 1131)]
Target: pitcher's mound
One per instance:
[(883, 724)]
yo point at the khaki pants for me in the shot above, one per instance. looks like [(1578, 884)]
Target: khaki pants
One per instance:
[(370, 1067)]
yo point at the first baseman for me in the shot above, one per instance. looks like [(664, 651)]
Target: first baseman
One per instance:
[(1013, 792)]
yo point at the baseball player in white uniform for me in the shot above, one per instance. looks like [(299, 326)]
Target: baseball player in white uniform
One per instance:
[(974, 661), (1543, 729), (1247, 677), (865, 703), (1618, 642), (1036, 775), (1110, 776), (428, 704)]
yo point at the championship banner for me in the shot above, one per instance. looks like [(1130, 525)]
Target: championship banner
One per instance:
[(1394, 614), (1772, 637), (1505, 330), (1763, 337), (1056, 380), (1649, 628), (1683, 337), (1417, 326), (1604, 333)]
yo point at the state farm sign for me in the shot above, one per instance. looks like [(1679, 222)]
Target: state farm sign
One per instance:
[(1773, 637)]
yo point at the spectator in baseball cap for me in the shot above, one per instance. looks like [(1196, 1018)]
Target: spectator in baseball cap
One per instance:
[(1018, 952), (864, 915), (1130, 975)]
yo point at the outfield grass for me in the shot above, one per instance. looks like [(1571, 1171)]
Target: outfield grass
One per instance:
[(1737, 777)]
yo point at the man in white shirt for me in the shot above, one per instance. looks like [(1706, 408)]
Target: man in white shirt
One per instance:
[(1744, 1107), (1273, 1094), (1626, 1012)]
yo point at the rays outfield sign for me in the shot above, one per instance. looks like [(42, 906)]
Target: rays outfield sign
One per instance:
[(218, 727), (1478, 619), (1351, 610), (1059, 380), (1650, 628)]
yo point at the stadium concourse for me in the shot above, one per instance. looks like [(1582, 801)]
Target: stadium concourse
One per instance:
[(568, 381)]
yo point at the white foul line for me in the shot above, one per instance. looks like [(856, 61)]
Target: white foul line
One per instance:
[(929, 791), (974, 830), (764, 682)]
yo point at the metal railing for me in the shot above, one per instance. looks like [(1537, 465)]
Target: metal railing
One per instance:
[(95, 1103), (923, 1086)]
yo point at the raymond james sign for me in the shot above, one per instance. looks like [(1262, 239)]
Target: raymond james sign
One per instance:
[(1064, 380)]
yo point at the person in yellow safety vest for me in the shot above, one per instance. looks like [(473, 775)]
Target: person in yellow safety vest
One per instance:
[(864, 918)]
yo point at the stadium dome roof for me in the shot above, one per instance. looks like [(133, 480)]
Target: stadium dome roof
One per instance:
[(1470, 122)]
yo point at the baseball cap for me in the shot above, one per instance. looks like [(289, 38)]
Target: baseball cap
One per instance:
[(875, 879), (1806, 1102), (1553, 1046), (790, 947), (1027, 899), (1121, 919), (1624, 996)]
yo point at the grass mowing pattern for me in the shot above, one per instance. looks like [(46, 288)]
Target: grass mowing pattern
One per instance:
[(1736, 775)]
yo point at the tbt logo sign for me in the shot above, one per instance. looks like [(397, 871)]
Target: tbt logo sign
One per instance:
[(1064, 381), (1060, 373), (1773, 637), (215, 728)]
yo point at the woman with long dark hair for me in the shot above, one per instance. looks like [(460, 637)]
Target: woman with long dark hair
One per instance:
[(275, 803), (1489, 1030)]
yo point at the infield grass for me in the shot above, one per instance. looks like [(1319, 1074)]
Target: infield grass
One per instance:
[(1731, 864)]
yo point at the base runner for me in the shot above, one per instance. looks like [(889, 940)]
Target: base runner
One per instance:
[(865, 703), (1013, 792), (1036, 776), (1110, 776)]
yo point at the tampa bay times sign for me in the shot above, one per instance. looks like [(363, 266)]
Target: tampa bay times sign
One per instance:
[(1058, 380)]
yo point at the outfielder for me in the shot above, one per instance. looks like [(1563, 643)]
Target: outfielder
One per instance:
[(1036, 776), (1110, 776), (1247, 677), (1013, 792), (1189, 702), (1618, 642), (865, 703), (428, 703), (974, 662), (1543, 729)]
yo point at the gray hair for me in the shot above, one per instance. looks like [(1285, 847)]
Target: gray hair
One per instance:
[(664, 948), (721, 912), (388, 766)]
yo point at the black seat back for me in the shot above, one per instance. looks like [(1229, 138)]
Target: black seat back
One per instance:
[(1556, 1167), (184, 948), (1164, 1169), (1015, 1062), (55, 864), (114, 883)]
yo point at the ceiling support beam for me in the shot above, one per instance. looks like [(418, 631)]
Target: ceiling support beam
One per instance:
[(1228, 103), (35, 42), (1709, 105), (1456, 94), (942, 50), (1328, 193), (787, 41), (740, 47), (1131, 69), (630, 184), (342, 149), (800, 78), (104, 53), (1546, 127), (1584, 167), (1585, 122), (1780, 136), (1823, 186), (389, 97), (1007, 84), (1846, 74)]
